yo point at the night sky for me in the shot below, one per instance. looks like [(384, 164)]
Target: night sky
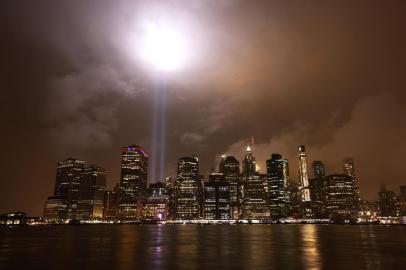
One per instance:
[(327, 74)]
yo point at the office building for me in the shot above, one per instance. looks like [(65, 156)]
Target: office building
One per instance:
[(188, 198), (231, 170), (278, 186), (341, 197), (255, 202), (133, 182), (304, 184)]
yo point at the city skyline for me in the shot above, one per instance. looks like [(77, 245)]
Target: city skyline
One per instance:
[(328, 76), (245, 170), (227, 194)]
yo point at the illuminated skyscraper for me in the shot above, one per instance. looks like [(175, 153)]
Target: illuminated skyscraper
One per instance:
[(187, 191), (304, 183), (278, 186), (79, 191), (249, 164), (91, 192), (255, 202), (340, 196), (64, 203), (349, 169), (216, 198), (231, 171), (133, 181), (156, 206)]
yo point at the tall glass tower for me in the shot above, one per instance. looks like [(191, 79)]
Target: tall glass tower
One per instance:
[(187, 190), (249, 164), (278, 186), (349, 169), (133, 181), (304, 183), (231, 170)]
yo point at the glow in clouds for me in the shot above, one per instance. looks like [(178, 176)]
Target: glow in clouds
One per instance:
[(163, 47)]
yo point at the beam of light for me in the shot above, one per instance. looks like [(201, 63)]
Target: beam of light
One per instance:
[(158, 145), (164, 47), (163, 129), (155, 127)]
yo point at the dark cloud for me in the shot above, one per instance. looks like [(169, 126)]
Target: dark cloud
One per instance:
[(328, 74)]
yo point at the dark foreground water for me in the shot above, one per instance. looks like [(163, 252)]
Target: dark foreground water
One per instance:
[(203, 247)]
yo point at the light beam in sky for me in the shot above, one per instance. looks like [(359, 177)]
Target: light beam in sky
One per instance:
[(164, 47)]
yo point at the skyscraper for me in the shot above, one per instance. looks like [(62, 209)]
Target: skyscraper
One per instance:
[(64, 203), (91, 192), (79, 192), (255, 201), (221, 165), (249, 164), (187, 191), (317, 188), (111, 200), (231, 171), (216, 198), (133, 181), (319, 171), (304, 183), (389, 205), (349, 169), (278, 186), (340, 196)]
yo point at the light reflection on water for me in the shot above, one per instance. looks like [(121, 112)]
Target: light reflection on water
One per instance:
[(203, 247), (310, 246)]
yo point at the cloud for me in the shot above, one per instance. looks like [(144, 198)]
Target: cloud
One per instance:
[(191, 138), (83, 105)]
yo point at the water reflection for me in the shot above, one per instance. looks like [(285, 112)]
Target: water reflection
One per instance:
[(203, 247), (256, 243), (128, 246), (368, 242), (310, 247)]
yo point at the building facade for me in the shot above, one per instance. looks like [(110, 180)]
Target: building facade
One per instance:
[(230, 167), (249, 164), (79, 192), (304, 184), (187, 191), (278, 186), (133, 182), (91, 193), (255, 202), (341, 196), (216, 198), (317, 189), (349, 169)]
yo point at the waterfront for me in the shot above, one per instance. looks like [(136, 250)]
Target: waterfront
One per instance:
[(203, 247)]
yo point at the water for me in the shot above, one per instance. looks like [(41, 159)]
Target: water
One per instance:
[(203, 247)]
